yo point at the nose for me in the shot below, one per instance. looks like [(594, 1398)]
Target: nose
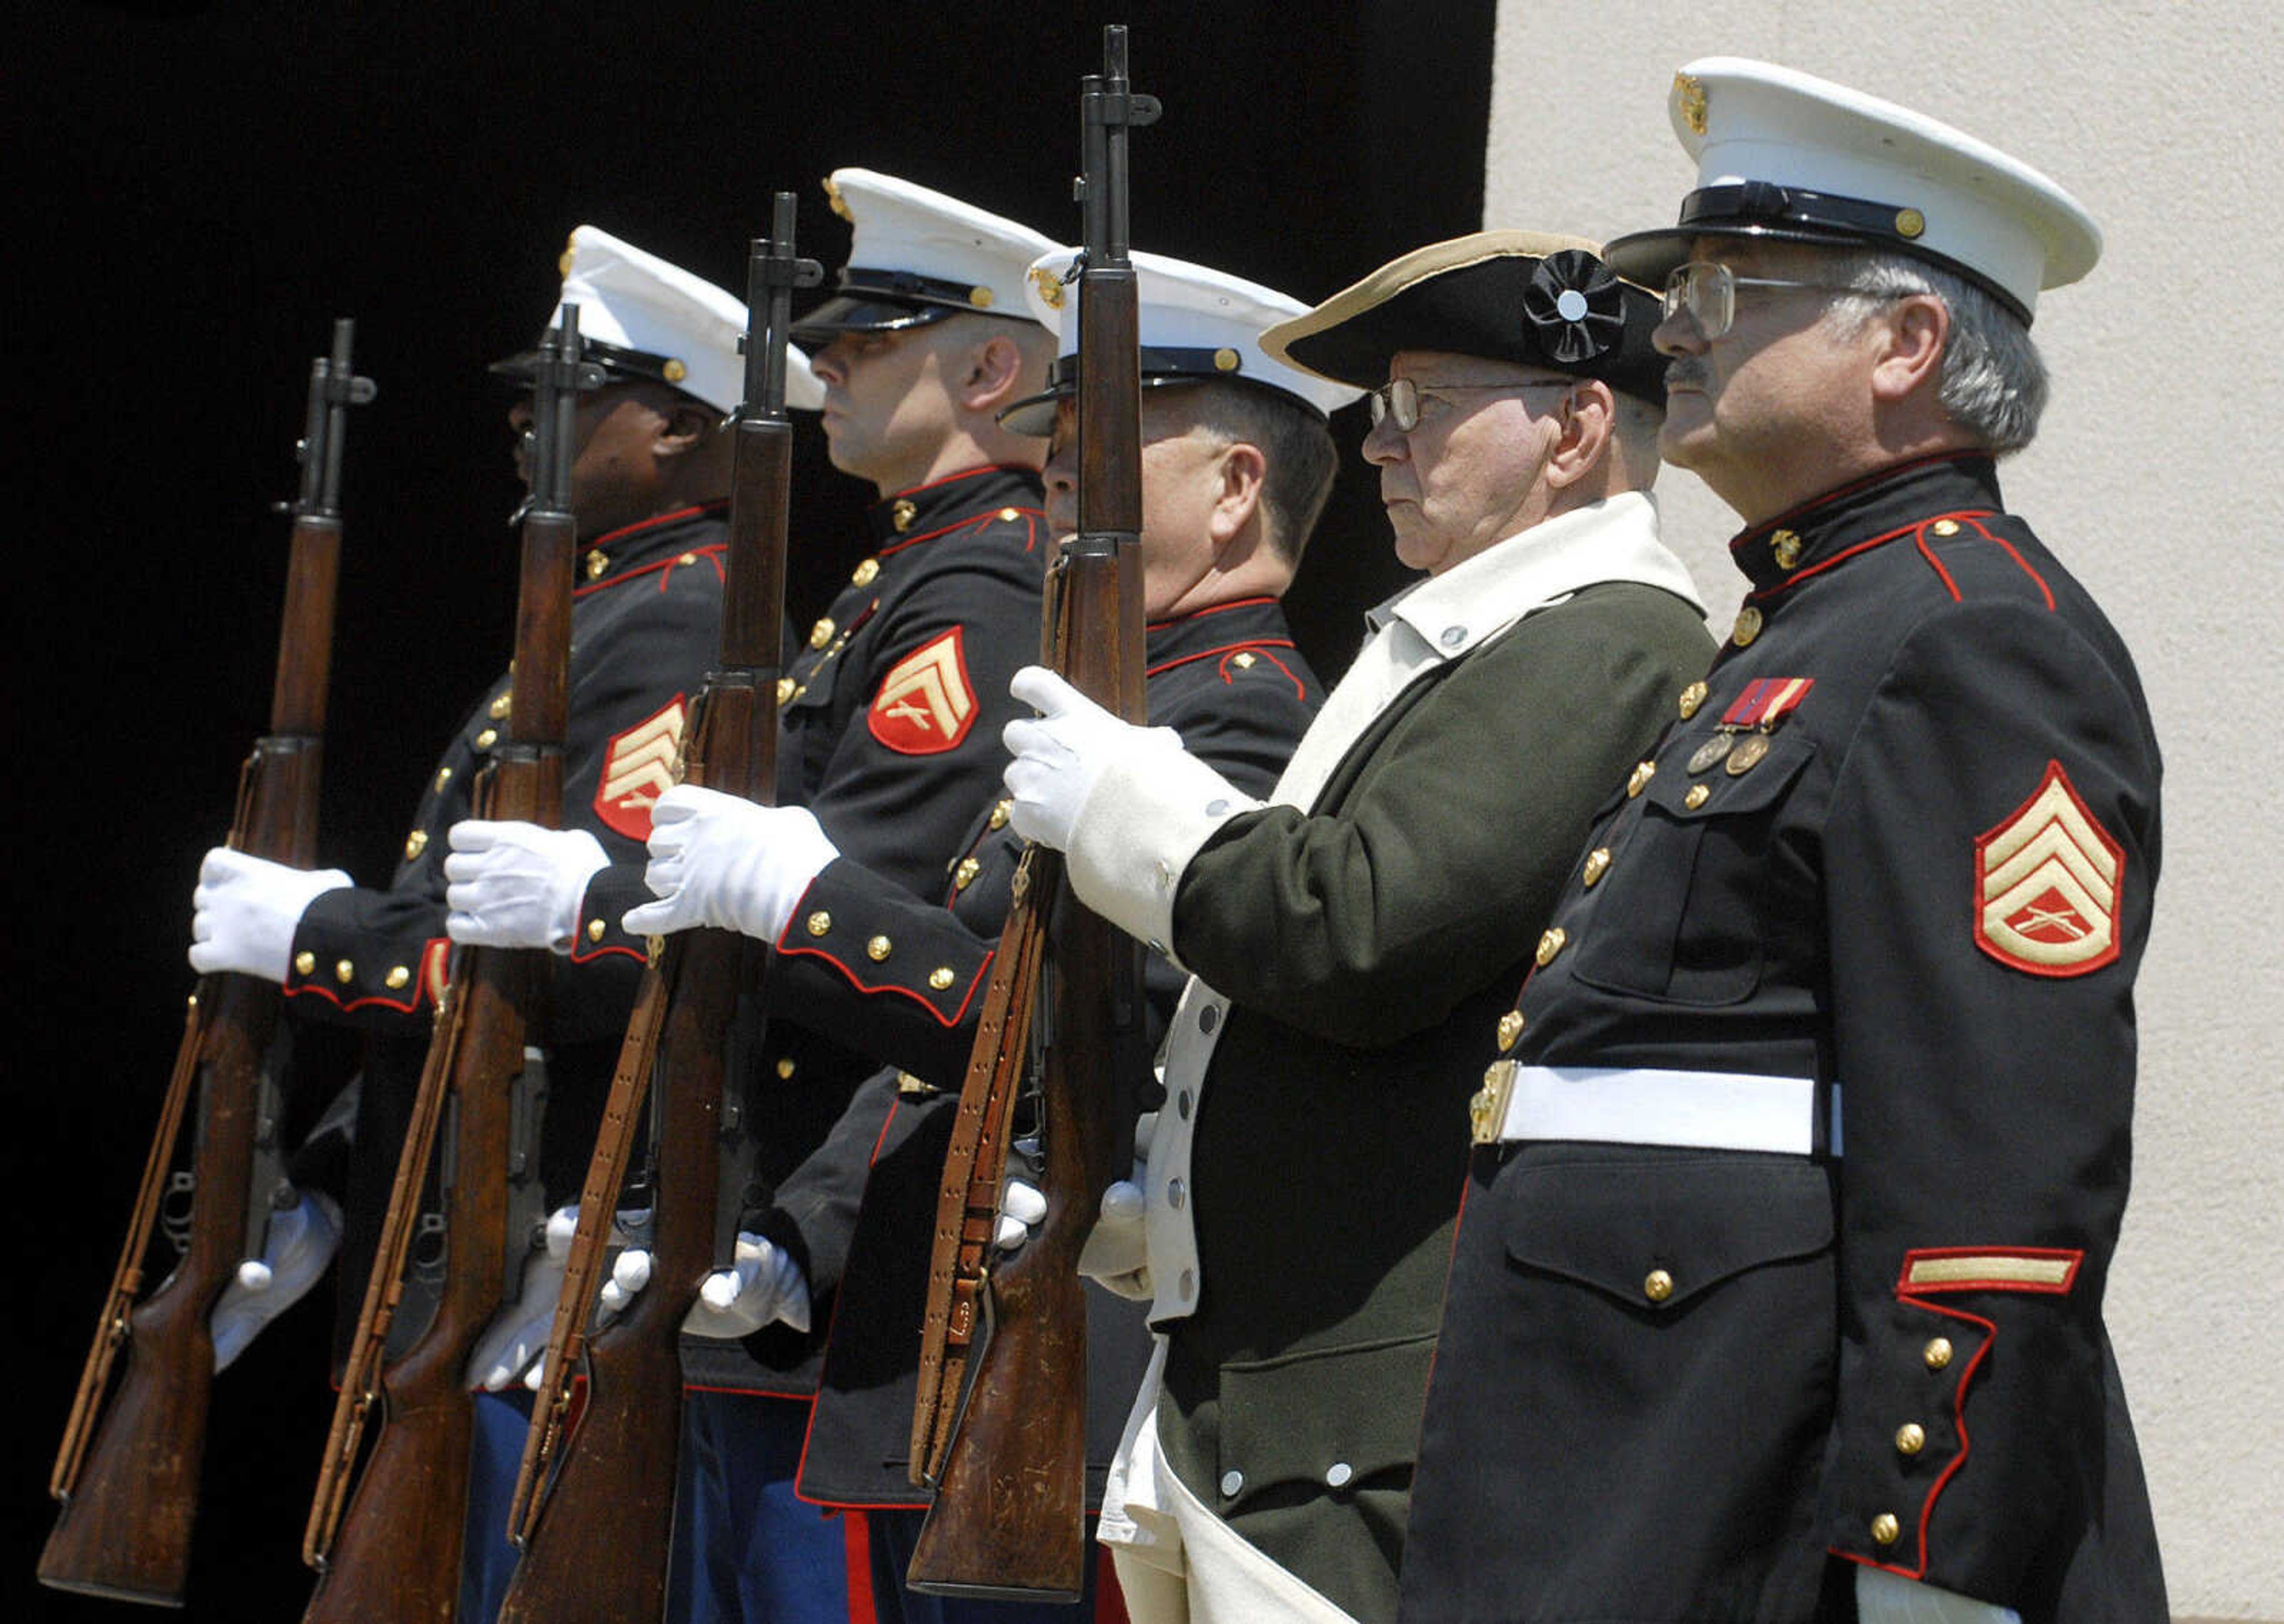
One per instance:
[(1677, 334), (829, 364), (519, 415), (1386, 443)]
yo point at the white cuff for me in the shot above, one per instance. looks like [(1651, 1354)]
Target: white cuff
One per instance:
[(1142, 823)]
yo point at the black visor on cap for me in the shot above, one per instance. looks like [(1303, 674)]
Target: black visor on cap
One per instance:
[(621, 363)]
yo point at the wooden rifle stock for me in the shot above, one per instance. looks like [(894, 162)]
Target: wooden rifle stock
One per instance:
[(605, 1480), (999, 1425), (393, 1554), (128, 1472)]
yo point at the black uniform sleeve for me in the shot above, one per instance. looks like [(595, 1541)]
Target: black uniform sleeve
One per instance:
[(1989, 864), (372, 960)]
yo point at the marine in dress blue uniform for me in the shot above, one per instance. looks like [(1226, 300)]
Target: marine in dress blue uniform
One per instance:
[(1777, 1290)]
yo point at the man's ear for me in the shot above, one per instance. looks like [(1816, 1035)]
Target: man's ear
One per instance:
[(1244, 476), (992, 374), (684, 426), (1590, 418), (1912, 340)]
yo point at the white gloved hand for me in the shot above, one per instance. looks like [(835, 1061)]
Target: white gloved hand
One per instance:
[(1021, 1205), (764, 1285), (517, 885), (1882, 1597), (298, 1245), (1058, 757), (722, 861), (518, 1334), (1118, 1252), (246, 910)]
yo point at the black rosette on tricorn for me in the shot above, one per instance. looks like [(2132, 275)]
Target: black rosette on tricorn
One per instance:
[(1575, 303)]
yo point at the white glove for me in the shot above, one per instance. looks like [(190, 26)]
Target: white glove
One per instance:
[(1118, 1252), (246, 910), (1882, 1597), (517, 885), (763, 1284), (298, 1245), (722, 861), (518, 1335), (1021, 1205), (1058, 757)]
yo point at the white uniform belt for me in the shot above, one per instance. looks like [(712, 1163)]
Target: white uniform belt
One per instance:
[(1727, 1110)]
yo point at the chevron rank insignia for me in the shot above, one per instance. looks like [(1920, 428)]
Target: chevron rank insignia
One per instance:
[(926, 705), (638, 767), (2046, 885)]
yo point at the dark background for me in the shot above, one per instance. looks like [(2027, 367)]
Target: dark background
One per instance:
[(211, 184)]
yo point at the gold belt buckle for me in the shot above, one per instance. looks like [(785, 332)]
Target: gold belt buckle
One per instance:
[(1487, 1111)]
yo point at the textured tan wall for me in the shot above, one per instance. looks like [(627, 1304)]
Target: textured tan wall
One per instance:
[(2157, 476)]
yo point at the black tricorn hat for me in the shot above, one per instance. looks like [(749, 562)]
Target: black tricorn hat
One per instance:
[(1521, 296)]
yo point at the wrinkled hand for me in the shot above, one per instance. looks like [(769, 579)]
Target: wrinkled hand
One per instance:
[(1889, 1598), (517, 885), (763, 1284), (517, 1336), (1058, 757), (245, 909), (1117, 1252), (722, 861), (295, 1249)]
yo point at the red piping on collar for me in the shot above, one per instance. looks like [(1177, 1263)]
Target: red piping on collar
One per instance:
[(1234, 603), (1031, 513), (1877, 476), (693, 511)]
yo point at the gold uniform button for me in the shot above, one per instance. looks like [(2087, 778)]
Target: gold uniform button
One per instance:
[(903, 514), (1786, 547), (1598, 863), (597, 561), (345, 972), (1748, 625), (1008, 516), (687, 558), (785, 689), (1550, 944), (486, 740), (1243, 662), (1697, 797), (964, 876), (865, 573), (596, 930), (1911, 1438), (443, 777), (305, 963), (1643, 772), (785, 1066), (1936, 1354), (1910, 223), (940, 978), (878, 948), (675, 369), (1692, 696), (999, 814), (821, 634), (415, 843), (1945, 527), (397, 978), (819, 923), (1657, 1286), (1885, 1529), (500, 707), (1510, 1029)]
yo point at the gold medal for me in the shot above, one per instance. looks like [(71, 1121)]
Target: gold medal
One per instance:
[(1747, 754)]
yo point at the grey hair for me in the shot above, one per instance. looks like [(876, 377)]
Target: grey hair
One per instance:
[(1992, 383)]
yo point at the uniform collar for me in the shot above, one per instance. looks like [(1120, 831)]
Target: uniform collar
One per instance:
[(1615, 539), (618, 553), (1800, 542), (1244, 621), (930, 510)]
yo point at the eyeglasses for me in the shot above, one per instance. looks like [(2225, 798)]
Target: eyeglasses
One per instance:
[(1708, 291), (1399, 398)]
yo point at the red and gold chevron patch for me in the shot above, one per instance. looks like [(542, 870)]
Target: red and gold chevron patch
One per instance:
[(2046, 885), (926, 705), (638, 769)]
